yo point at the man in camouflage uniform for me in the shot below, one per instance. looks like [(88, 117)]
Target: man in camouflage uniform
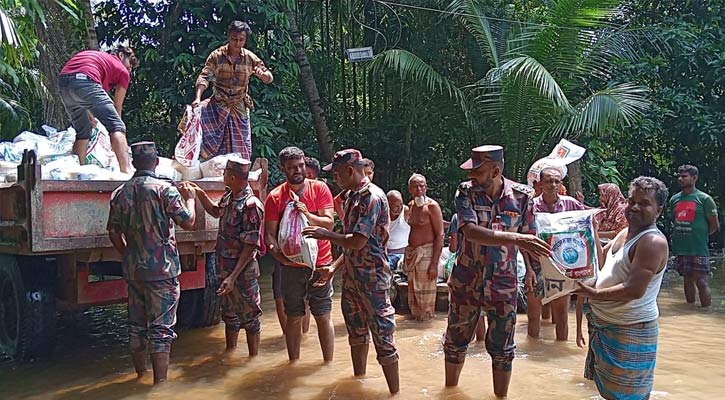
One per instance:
[(141, 228), (366, 274), (240, 216), (494, 217)]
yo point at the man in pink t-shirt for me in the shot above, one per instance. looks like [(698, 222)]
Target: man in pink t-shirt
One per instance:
[(315, 202), (549, 201), (84, 83)]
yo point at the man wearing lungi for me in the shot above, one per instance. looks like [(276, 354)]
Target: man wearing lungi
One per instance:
[(225, 115), (494, 220), (425, 244), (366, 271), (622, 312)]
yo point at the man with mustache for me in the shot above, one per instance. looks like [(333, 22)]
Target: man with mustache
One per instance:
[(622, 312), (495, 220), (313, 199)]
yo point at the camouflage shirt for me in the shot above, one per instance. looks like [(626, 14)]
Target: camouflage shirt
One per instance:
[(144, 210), (512, 211), (240, 224), (366, 212)]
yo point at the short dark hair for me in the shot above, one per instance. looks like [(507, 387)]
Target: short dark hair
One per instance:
[(145, 162), (128, 52), (366, 162), (311, 162), (238, 27), (291, 153), (688, 169), (650, 184)]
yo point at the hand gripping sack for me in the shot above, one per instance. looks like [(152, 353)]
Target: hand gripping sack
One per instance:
[(574, 253), (294, 246), (189, 145)]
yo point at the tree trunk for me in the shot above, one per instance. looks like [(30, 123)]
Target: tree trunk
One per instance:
[(309, 89), (57, 42), (575, 178), (91, 36)]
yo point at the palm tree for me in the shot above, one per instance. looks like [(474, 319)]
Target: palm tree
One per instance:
[(308, 86), (549, 77)]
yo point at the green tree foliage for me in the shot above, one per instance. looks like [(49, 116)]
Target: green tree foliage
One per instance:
[(449, 75), (687, 121), (20, 80), (549, 74)]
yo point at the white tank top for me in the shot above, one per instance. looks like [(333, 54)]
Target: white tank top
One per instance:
[(616, 270), (398, 233)]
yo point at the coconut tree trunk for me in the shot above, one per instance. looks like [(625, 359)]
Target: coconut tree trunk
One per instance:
[(575, 178), (309, 89), (91, 36)]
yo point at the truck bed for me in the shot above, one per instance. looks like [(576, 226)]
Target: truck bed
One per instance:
[(54, 217)]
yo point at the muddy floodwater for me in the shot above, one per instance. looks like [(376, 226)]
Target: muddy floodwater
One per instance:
[(91, 361)]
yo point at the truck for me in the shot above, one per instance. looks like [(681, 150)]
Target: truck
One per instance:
[(55, 256)]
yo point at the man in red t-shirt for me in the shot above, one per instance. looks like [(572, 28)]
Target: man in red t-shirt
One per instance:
[(84, 83), (315, 202)]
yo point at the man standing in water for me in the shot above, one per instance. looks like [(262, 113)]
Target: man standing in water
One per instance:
[(225, 116), (399, 230), (425, 245), (366, 275), (495, 220), (141, 228), (240, 216), (550, 201), (313, 199), (696, 217), (622, 310)]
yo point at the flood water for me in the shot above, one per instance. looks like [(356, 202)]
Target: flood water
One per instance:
[(91, 361)]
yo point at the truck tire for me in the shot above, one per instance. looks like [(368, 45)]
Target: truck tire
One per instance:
[(199, 308), (27, 307)]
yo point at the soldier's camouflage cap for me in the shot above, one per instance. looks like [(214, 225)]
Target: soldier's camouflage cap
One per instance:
[(344, 157)]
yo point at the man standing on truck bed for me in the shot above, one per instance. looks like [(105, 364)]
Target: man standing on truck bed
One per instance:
[(225, 115), (84, 83), (240, 216), (141, 228)]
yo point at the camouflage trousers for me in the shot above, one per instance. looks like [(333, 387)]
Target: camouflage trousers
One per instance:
[(152, 314), (467, 301), (242, 307), (369, 312)]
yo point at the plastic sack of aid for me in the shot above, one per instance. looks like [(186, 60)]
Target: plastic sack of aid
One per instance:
[(188, 148), (294, 246), (573, 251), (563, 154)]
